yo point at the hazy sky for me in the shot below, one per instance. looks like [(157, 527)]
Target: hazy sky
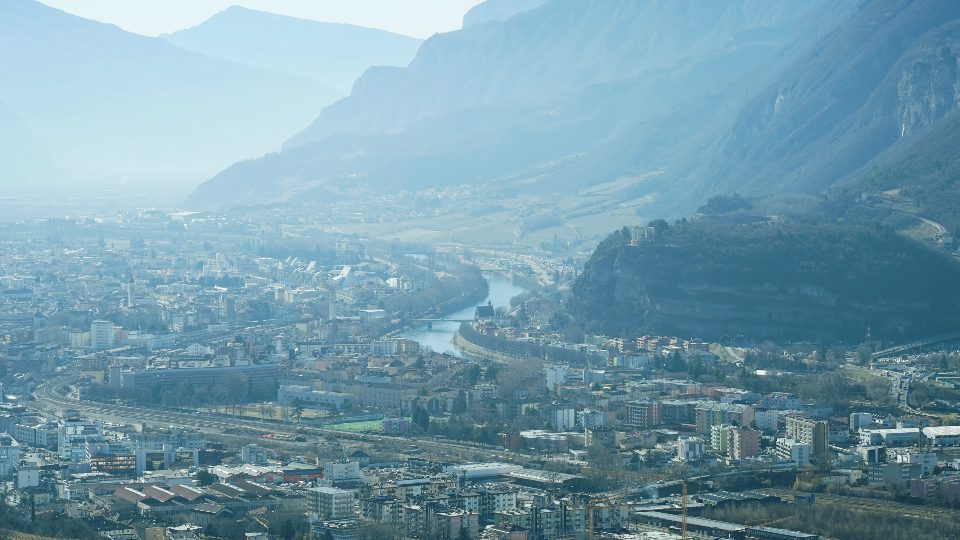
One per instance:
[(419, 18)]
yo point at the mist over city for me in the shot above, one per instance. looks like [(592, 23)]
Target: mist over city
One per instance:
[(479, 269)]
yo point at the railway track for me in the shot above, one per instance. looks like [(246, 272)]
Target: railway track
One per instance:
[(874, 505), (48, 395)]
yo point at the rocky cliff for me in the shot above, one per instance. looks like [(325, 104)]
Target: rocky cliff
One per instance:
[(880, 80), (778, 281)]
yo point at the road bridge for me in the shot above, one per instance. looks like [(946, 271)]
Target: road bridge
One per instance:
[(906, 347)]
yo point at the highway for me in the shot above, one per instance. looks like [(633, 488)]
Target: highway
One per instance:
[(673, 485), (900, 349), (49, 396)]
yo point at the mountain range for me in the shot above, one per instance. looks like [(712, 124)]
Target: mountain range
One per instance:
[(662, 103), (332, 54), (880, 84), (497, 10), (562, 96), (108, 105), (21, 154)]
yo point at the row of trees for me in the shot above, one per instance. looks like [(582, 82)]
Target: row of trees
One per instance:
[(460, 285), (835, 388), (520, 348), (24, 519), (933, 396), (233, 389)]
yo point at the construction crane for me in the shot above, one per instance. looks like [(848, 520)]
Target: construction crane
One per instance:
[(591, 506), (590, 520), (683, 510)]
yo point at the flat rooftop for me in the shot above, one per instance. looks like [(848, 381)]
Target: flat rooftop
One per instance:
[(941, 430), (696, 522), (547, 477)]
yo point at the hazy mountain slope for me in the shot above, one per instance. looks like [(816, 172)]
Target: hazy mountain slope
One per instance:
[(110, 104), (538, 56), (497, 10), (885, 76), (22, 157), (919, 175), (331, 54), (540, 92)]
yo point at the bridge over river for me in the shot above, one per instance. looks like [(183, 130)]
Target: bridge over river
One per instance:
[(438, 331)]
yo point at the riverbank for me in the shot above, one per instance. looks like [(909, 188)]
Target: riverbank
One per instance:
[(467, 300), (472, 350), (473, 287), (439, 335), (501, 349)]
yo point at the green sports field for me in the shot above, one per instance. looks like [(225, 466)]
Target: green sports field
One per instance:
[(369, 426)]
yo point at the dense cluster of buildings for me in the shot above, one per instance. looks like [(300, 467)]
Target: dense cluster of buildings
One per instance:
[(147, 303), (203, 319)]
